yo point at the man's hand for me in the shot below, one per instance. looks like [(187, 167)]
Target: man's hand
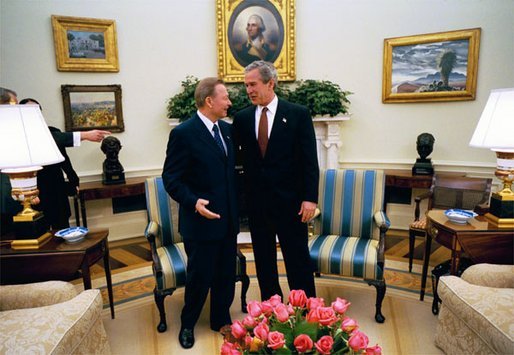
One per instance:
[(200, 208), (307, 211), (94, 135)]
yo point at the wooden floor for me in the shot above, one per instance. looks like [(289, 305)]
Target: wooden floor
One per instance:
[(409, 327)]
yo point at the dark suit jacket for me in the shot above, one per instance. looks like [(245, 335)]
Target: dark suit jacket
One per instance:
[(195, 167), (53, 189), (289, 173)]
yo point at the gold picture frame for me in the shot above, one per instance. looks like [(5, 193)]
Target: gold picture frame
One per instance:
[(276, 43), (85, 44), (431, 67), (92, 107)]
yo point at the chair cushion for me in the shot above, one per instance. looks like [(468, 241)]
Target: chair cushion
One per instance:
[(421, 224), (346, 256)]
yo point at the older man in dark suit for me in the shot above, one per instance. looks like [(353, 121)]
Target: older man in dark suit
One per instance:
[(281, 172), (199, 173)]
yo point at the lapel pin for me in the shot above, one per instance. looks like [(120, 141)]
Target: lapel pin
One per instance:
[(284, 120)]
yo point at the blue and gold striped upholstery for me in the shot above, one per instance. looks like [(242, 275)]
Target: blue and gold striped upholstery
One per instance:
[(351, 203)]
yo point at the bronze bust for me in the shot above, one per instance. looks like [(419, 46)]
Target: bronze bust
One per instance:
[(113, 172), (424, 146)]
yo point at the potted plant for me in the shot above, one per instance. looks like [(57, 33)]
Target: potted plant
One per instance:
[(322, 97), (182, 105)]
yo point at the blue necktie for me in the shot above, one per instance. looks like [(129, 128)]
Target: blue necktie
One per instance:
[(217, 138)]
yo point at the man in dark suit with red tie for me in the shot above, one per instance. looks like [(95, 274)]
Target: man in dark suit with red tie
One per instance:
[(199, 173), (280, 164)]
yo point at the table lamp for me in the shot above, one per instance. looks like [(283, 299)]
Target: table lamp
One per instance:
[(495, 130), (25, 145)]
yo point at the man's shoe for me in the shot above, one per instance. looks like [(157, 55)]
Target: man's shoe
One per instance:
[(222, 329), (186, 338)]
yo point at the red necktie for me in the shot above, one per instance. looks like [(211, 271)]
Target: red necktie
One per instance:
[(262, 135)]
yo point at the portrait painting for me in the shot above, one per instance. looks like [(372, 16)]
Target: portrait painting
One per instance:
[(92, 107), (85, 44), (435, 67), (250, 30)]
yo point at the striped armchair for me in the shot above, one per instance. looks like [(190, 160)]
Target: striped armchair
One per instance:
[(349, 236), (169, 257)]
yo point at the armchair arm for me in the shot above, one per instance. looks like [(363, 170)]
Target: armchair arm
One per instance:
[(35, 294), (418, 200), (499, 276), (383, 223), (152, 234)]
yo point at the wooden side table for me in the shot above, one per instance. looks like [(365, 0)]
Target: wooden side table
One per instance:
[(96, 191), (57, 260), (482, 241)]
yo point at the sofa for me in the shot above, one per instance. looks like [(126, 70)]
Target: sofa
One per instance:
[(51, 318), (477, 312)]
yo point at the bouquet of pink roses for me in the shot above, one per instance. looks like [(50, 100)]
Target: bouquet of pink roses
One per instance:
[(304, 325)]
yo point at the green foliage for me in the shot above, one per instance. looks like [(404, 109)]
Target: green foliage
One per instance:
[(182, 105), (322, 97)]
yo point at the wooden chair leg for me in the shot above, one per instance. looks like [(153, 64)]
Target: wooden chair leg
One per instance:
[(159, 301), (380, 285), (426, 259), (412, 238), (245, 284)]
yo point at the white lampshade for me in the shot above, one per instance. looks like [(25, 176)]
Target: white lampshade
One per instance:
[(25, 140), (495, 129)]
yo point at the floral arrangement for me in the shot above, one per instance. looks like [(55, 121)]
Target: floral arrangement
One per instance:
[(304, 325)]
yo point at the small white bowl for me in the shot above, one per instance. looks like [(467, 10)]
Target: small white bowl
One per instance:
[(73, 234), (459, 216)]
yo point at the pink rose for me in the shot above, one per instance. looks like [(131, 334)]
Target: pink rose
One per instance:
[(326, 315), (276, 340), (290, 309), (312, 316), (358, 340), (349, 325), (267, 308), (324, 344), (281, 312), (238, 330), (315, 302), (275, 300), (261, 331), (249, 321), (340, 305), (254, 308), (229, 349), (297, 298), (374, 350), (303, 343)]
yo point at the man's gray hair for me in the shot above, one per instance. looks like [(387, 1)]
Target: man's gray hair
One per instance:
[(260, 22), (266, 69)]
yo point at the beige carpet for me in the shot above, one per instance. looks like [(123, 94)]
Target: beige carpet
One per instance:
[(408, 329)]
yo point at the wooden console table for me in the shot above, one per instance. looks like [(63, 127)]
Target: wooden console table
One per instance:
[(57, 260), (96, 191)]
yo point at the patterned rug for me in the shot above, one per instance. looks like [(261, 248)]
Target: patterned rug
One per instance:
[(132, 272)]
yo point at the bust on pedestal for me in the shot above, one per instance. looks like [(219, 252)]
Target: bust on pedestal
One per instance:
[(424, 146), (113, 172)]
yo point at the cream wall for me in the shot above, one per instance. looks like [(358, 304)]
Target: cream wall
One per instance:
[(162, 41)]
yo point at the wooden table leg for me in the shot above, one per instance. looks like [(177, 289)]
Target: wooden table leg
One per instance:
[(426, 259), (107, 268), (83, 210)]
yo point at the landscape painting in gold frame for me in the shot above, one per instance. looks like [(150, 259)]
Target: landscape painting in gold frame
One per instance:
[(431, 67), (250, 30), (85, 44)]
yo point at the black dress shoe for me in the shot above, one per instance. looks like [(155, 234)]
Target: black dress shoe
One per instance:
[(186, 338)]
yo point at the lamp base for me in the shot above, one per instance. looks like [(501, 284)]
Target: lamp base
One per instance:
[(31, 243), (28, 229), (501, 211)]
